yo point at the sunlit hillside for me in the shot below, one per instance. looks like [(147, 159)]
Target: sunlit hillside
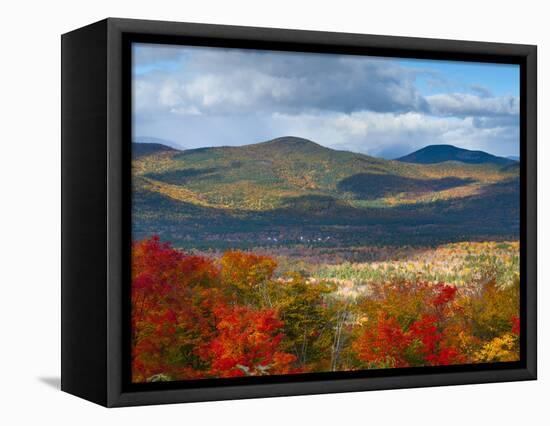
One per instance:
[(289, 188)]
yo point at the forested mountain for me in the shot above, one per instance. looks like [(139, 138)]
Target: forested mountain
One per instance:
[(290, 189), (440, 153)]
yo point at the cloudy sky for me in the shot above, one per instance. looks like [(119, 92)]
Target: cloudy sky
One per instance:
[(195, 97)]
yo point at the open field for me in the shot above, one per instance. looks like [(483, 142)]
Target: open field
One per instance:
[(468, 264)]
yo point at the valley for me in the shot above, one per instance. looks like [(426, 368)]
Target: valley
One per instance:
[(294, 192)]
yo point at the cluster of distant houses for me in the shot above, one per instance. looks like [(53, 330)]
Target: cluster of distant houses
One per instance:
[(301, 239)]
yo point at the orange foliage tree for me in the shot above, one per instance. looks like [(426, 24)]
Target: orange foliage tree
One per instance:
[(246, 276), (247, 343), (184, 325), (411, 324)]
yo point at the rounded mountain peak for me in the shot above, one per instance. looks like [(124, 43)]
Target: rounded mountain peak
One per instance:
[(291, 142)]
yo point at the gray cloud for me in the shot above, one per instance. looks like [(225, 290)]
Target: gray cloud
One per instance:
[(210, 97), (237, 81), (465, 104)]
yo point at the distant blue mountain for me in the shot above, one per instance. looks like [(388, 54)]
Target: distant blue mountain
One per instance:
[(440, 153)]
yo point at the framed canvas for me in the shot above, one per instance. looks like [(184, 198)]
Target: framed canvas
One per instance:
[(255, 212)]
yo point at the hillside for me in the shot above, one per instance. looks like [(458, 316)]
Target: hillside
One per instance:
[(270, 174), (441, 153), (142, 149), (291, 188)]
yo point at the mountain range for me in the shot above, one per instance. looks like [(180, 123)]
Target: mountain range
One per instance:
[(292, 187)]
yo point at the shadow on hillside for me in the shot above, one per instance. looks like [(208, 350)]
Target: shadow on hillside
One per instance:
[(493, 214), (370, 186)]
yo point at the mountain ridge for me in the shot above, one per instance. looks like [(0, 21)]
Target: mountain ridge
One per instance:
[(432, 154), (283, 144), (262, 176)]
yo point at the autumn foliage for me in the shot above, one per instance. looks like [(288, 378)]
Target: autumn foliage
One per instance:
[(184, 324), (196, 317), (247, 342), (424, 336)]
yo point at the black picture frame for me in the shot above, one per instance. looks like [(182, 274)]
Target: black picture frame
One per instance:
[(96, 190)]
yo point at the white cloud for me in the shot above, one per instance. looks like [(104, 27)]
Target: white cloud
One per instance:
[(391, 135)]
